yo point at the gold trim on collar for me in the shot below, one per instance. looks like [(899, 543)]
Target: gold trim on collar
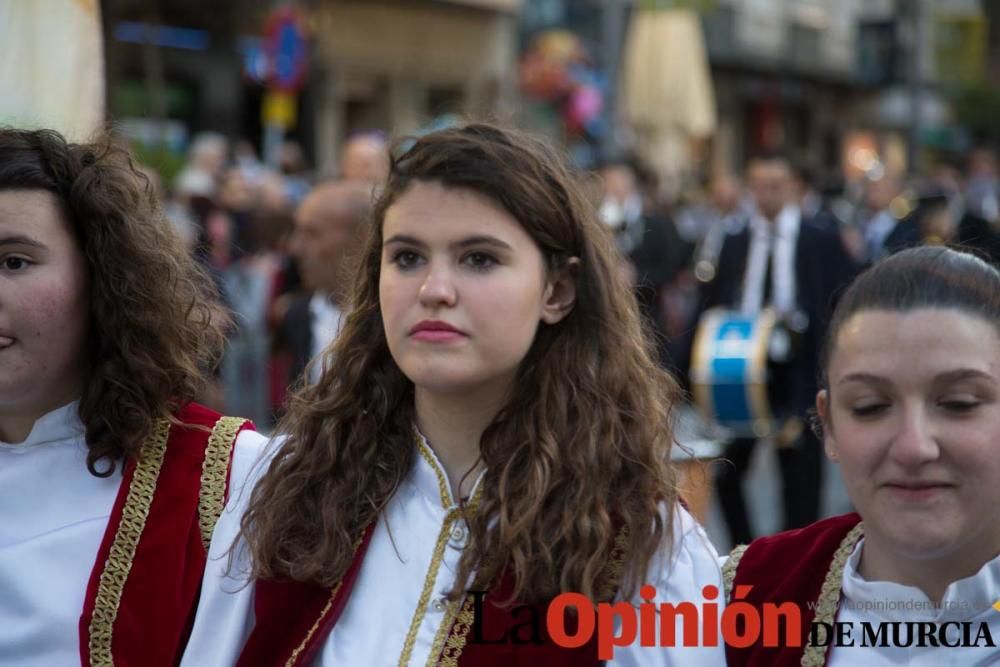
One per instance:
[(446, 499), (214, 473), (119, 563), (429, 457), (829, 596)]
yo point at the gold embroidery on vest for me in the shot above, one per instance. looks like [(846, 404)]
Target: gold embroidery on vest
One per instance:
[(829, 595), (214, 472), (615, 567), (123, 546), (315, 626), (326, 609), (461, 624), (729, 569)]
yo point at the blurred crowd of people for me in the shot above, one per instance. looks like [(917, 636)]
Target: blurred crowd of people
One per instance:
[(776, 238), (278, 241), (673, 247)]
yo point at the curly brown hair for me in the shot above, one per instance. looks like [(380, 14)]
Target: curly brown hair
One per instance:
[(156, 329), (580, 452)]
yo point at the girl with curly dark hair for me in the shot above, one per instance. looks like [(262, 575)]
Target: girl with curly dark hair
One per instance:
[(111, 479), (489, 420)]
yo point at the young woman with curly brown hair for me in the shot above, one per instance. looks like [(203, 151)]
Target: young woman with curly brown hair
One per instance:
[(110, 477), (490, 419)]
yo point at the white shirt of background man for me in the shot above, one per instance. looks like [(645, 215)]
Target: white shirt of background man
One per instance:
[(326, 320), (781, 239)]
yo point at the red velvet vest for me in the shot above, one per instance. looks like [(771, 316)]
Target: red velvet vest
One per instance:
[(293, 620), (788, 567), (144, 587)]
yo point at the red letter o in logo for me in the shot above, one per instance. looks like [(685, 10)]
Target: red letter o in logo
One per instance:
[(555, 620)]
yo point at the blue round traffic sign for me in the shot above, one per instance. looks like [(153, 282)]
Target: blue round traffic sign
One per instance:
[(286, 46)]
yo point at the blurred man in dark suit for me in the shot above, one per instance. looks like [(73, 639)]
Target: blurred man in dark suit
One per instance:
[(329, 226), (794, 264), (647, 238)]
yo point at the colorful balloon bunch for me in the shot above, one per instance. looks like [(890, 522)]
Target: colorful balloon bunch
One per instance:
[(556, 70)]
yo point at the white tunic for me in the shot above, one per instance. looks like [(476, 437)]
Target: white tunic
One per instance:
[(384, 604), (54, 516), (969, 599)]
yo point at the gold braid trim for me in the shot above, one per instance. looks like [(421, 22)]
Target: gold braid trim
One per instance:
[(615, 567), (459, 625), (729, 569), (214, 473), (429, 457), (315, 626), (425, 594), (122, 552), (326, 609), (459, 619), (829, 595)]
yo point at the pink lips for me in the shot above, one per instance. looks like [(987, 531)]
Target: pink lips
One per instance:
[(5, 341), (916, 491), (435, 331)]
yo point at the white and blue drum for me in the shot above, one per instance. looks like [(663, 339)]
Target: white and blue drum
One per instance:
[(729, 371)]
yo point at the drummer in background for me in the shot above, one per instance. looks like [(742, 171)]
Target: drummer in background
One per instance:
[(776, 257)]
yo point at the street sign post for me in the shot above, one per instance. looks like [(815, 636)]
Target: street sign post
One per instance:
[(286, 50)]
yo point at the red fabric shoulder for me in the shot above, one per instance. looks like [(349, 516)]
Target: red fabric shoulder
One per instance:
[(293, 619), (195, 413), (144, 587), (787, 567)]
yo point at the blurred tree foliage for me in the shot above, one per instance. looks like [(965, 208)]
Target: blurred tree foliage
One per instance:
[(161, 159), (977, 107)]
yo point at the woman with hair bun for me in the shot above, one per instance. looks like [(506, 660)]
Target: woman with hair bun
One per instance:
[(910, 410), (490, 419), (111, 478)]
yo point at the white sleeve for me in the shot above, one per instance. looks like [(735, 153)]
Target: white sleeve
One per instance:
[(225, 609), (679, 576)]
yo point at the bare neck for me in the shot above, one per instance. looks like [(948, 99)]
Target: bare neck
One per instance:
[(16, 424), (454, 424)]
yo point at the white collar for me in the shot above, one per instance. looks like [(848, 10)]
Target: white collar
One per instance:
[(59, 425), (430, 477), (963, 599)]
